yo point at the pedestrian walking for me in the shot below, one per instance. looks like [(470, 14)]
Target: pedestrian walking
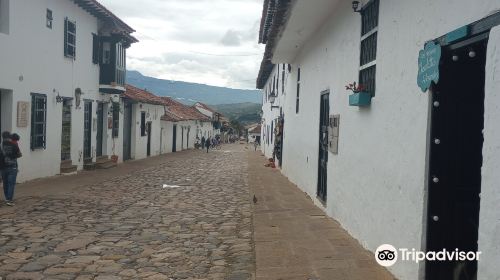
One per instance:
[(9, 153), (255, 144), (207, 143), (202, 142)]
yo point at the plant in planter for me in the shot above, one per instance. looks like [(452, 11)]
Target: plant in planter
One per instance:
[(359, 96)]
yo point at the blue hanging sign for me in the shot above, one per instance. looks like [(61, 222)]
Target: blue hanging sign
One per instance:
[(428, 65)]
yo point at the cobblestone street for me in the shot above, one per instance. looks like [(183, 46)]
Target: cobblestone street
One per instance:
[(127, 225)]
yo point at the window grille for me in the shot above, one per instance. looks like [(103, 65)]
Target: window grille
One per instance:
[(298, 92), (38, 121), (69, 38), (368, 56)]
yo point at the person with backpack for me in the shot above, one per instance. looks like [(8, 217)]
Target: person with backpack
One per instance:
[(9, 153)]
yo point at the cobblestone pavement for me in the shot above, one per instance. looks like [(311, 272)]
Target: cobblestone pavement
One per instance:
[(131, 227)]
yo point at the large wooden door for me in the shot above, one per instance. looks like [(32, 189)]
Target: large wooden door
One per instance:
[(148, 131), (456, 142), (87, 130), (127, 131), (174, 139), (323, 146), (100, 128), (66, 130)]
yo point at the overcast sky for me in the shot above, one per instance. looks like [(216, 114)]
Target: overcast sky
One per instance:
[(204, 41)]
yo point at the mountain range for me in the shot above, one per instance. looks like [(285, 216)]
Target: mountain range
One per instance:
[(190, 93)]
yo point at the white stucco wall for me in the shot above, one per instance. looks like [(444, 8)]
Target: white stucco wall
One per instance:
[(167, 127), (35, 53), (271, 115), (377, 181), (489, 223), (139, 143)]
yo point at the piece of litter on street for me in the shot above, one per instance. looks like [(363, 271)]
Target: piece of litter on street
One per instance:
[(227, 151), (170, 186)]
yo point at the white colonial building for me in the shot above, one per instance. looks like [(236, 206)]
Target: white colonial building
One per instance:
[(273, 101), (411, 159), (63, 66), (185, 124), (146, 136)]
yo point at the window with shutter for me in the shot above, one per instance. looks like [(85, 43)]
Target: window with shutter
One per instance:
[(38, 121), (369, 31), (69, 38), (95, 48)]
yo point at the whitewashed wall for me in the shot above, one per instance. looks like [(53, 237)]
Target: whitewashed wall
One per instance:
[(377, 181), (270, 115), (167, 127), (139, 143), (489, 224), (35, 53)]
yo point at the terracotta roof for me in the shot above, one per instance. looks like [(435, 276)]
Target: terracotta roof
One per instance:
[(141, 95), (169, 117), (204, 106), (113, 23), (179, 111), (276, 15), (255, 129)]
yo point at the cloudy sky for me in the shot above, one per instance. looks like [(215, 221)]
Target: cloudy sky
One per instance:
[(204, 41)]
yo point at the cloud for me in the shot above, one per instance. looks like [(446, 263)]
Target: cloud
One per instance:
[(189, 40), (231, 38)]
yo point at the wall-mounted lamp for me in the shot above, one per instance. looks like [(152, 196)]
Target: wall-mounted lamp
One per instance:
[(355, 6), (59, 99), (78, 96), (272, 98)]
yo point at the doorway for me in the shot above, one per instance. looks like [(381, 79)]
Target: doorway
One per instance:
[(456, 142), (66, 130), (182, 138), (323, 145), (87, 131), (174, 139), (127, 131), (148, 131), (100, 128), (187, 138)]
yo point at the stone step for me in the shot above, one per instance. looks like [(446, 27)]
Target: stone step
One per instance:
[(68, 169), (89, 166), (102, 159), (105, 165)]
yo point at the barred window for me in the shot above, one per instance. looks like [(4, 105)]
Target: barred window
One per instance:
[(283, 80), (69, 38), (49, 18), (38, 121), (143, 123), (116, 118), (298, 92), (368, 57), (95, 48)]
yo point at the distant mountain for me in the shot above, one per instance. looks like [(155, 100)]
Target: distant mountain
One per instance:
[(190, 93), (245, 113)]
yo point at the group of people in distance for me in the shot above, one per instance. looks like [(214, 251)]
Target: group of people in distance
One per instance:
[(9, 153), (209, 142)]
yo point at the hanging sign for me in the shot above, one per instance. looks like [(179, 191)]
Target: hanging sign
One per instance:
[(428, 65)]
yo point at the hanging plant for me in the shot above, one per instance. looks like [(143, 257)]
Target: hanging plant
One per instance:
[(359, 97)]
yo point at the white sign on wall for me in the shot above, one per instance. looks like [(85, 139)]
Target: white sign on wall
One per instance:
[(22, 113)]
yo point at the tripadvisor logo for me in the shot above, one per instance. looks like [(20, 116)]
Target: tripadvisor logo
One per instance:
[(387, 255)]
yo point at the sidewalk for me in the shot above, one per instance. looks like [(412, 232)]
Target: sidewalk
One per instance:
[(295, 240)]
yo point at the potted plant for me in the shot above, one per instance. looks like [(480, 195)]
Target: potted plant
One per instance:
[(359, 96)]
